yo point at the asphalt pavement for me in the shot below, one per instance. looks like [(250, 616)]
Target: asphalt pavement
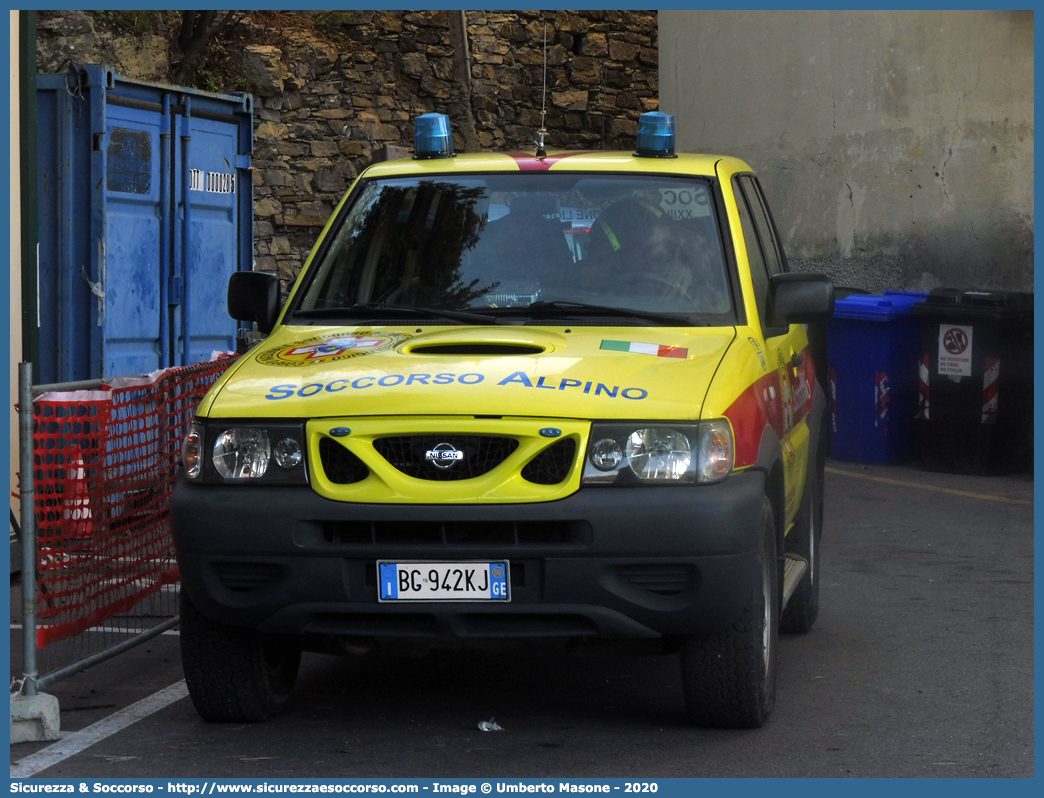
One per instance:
[(921, 664)]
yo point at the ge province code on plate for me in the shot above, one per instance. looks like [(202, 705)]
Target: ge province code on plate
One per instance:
[(443, 581)]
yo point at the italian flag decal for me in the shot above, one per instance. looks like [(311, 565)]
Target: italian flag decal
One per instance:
[(646, 349)]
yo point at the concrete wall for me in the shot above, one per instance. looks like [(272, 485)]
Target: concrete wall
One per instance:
[(896, 147)]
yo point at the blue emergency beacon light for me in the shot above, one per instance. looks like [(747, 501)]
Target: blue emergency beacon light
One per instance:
[(655, 135), (432, 137)]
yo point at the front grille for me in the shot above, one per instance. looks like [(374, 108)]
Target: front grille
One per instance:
[(482, 453), (242, 577), (341, 466), (552, 465), (457, 533), (664, 579)]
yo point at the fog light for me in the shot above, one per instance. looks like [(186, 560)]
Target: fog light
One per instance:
[(606, 455), (287, 453)]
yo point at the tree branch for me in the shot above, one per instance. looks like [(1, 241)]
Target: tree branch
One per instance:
[(197, 30)]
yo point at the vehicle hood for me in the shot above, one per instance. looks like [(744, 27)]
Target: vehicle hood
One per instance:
[(548, 372)]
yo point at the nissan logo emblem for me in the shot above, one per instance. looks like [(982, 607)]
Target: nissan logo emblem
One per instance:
[(444, 455)]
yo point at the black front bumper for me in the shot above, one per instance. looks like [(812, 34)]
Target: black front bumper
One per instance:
[(611, 562)]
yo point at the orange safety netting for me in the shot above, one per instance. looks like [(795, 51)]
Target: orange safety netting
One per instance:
[(106, 461)]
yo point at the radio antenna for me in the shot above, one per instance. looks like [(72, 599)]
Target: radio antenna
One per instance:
[(540, 151), (603, 106)]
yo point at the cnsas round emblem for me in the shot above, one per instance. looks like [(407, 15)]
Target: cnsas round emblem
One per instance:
[(328, 348)]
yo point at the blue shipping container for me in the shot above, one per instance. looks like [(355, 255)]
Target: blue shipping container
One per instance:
[(146, 209), (873, 344)]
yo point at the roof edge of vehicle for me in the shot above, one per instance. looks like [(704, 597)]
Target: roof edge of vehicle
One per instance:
[(684, 164), (698, 164)]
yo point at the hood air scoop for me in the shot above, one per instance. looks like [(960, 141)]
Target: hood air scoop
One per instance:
[(472, 349), (485, 342)]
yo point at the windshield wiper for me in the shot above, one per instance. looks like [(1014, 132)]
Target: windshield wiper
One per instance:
[(374, 309), (542, 309)]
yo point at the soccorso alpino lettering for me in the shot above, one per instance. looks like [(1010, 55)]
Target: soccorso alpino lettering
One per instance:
[(519, 378)]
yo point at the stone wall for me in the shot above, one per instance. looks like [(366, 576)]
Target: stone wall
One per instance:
[(82, 37), (336, 90)]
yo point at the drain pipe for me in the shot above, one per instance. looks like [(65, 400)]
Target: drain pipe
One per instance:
[(463, 22), (462, 72)]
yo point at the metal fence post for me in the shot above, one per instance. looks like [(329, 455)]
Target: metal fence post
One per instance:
[(28, 510)]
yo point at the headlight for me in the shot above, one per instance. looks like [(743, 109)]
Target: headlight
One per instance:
[(217, 452), (242, 453), (657, 454)]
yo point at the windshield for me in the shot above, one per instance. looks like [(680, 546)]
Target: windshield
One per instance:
[(495, 242)]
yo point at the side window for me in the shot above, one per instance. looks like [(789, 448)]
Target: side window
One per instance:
[(773, 229), (758, 269), (766, 234)]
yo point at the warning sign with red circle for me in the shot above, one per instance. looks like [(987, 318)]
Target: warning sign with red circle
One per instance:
[(955, 349)]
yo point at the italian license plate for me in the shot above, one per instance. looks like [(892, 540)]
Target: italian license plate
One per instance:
[(443, 581)]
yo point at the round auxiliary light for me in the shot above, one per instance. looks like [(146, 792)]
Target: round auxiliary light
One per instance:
[(606, 455), (432, 137), (287, 453), (656, 135)]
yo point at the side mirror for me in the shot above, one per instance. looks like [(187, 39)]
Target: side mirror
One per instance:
[(254, 296), (796, 298)]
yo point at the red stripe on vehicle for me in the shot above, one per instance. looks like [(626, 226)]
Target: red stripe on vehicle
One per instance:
[(530, 163), (810, 378), (754, 409), (761, 405)]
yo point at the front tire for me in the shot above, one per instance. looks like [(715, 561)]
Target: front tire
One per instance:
[(729, 677), (234, 675)]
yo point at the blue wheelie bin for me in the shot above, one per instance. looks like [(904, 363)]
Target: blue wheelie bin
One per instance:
[(873, 343)]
